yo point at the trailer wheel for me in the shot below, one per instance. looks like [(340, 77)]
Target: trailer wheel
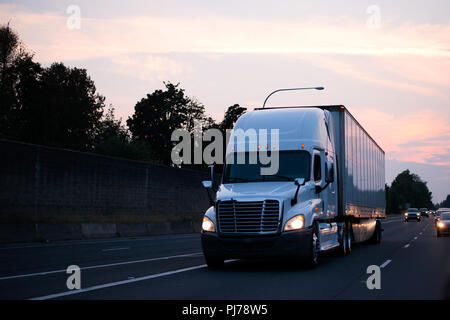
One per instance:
[(376, 237)]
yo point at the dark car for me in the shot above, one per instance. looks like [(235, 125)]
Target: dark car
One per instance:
[(443, 224), (412, 214), (424, 212)]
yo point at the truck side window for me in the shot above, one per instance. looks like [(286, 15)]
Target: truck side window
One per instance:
[(317, 168)]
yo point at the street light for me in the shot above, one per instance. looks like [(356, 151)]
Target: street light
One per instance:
[(291, 89)]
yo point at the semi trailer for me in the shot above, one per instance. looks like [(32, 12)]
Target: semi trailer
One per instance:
[(326, 193)]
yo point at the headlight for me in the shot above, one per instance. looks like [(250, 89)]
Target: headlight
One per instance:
[(208, 225), (441, 224), (295, 223), (406, 214)]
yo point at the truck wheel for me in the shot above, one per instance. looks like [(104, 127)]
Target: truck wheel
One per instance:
[(312, 258), (376, 238), (214, 262), (346, 244), (349, 238)]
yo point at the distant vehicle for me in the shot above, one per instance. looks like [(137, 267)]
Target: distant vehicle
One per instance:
[(424, 212), (443, 224), (438, 212), (412, 214)]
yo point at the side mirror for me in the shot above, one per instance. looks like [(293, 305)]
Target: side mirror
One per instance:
[(207, 184), (329, 172), (298, 182), (213, 181)]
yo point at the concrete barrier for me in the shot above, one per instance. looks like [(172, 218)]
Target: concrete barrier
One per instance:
[(158, 228), (11, 233), (17, 233), (132, 229), (98, 230), (59, 231)]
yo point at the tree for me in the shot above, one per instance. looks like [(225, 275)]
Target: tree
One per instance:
[(407, 190), (231, 116), (114, 139), (10, 49), (67, 112), (111, 127), (18, 82), (56, 106), (445, 203), (159, 114)]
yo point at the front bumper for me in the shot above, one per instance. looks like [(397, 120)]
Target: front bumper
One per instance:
[(286, 244)]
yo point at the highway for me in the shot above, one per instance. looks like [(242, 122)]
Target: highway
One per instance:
[(415, 264)]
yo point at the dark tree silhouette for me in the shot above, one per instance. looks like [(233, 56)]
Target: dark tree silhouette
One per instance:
[(56, 106), (114, 139), (18, 83), (159, 114), (231, 116), (407, 189), (445, 203), (67, 112)]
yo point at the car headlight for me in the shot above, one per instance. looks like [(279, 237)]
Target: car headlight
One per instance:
[(295, 223), (406, 214), (208, 225), (441, 224)]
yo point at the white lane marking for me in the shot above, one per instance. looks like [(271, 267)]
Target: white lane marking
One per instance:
[(385, 263), (117, 283), (415, 238), (420, 233), (115, 249), (406, 245), (99, 266)]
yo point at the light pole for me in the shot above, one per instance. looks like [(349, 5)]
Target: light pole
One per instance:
[(291, 89)]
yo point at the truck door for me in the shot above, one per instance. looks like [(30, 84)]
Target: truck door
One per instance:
[(323, 161), (330, 191), (318, 176)]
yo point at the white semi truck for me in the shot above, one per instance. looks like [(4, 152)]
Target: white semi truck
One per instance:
[(327, 193)]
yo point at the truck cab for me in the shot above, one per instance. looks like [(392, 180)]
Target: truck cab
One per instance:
[(287, 213), (297, 181)]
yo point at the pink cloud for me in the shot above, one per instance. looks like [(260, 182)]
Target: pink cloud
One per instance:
[(48, 35), (414, 137)]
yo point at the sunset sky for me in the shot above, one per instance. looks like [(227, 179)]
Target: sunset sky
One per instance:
[(388, 62)]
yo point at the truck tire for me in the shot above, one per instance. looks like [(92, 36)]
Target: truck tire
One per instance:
[(376, 237), (214, 262), (349, 239), (311, 260), (345, 247)]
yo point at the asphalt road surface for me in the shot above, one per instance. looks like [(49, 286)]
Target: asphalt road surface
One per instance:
[(414, 263)]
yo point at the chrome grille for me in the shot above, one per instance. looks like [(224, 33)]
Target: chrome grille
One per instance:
[(248, 216)]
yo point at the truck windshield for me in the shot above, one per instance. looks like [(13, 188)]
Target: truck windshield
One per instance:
[(292, 165)]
